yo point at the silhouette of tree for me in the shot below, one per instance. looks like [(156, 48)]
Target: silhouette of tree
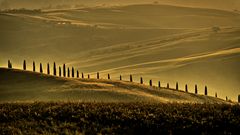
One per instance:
[(131, 78), (216, 95), (150, 82), (97, 75), (41, 69), (186, 88), (9, 64), (206, 92), (48, 69), (177, 86), (159, 84), (54, 69), (77, 74), (109, 76), (120, 78), (141, 80), (60, 71), (82, 75), (196, 89), (68, 73), (34, 67), (168, 85), (72, 72), (88, 76), (24, 65), (64, 70)]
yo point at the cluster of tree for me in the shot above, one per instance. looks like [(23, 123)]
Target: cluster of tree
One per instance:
[(22, 11)]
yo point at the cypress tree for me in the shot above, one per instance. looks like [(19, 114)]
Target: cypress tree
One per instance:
[(34, 68), (77, 74), (48, 69), (177, 86), (150, 82), (120, 78), (109, 77), (73, 72), (168, 85), (24, 65), (64, 70), (41, 69), (159, 84), (196, 90), (141, 80), (88, 76), (226, 98), (97, 75), (54, 69), (216, 94), (186, 88), (82, 75), (68, 73), (131, 78), (60, 71), (9, 64), (206, 92)]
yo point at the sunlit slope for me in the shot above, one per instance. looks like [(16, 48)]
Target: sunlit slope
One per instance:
[(159, 42), (17, 85)]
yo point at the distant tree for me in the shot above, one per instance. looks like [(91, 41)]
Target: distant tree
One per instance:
[(64, 70), (168, 85), (120, 77), (48, 69), (226, 98), (68, 73), (97, 75), (196, 90), (159, 84), (34, 67), (24, 65), (150, 82), (109, 76), (88, 76), (77, 74), (82, 75), (131, 78), (186, 88), (177, 86), (216, 94), (73, 72), (141, 80), (54, 69), (9, 64), (60, 71), (41, 69), (206, 92)]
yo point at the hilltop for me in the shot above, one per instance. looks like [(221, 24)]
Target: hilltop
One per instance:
[(17, 85)]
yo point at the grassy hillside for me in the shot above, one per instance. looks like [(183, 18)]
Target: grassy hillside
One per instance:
[(167, 43), (26, 86)]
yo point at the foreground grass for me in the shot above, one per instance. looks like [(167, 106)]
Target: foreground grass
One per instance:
[(118, 118)]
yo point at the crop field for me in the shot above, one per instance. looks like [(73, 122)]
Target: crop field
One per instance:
[(118, 118)]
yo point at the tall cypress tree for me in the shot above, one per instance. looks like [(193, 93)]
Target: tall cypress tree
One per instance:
[(64, 70), (120, 78), (60, 71), (98, 75), (82, 75), (196, 89), (150, 82), (68, 73), (131, 78), (24, 65), (54, 69), (206, 92), (186, 88), (72, 72), (109, 76), (216, 94), (177, 86), (88, 76), (48, 69), (168, 85), (41, 69), (77, 74), (159, 84), (34, 67), (9, 64), (141, 80)]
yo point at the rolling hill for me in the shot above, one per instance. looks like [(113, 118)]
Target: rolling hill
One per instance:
[(21, 86), (189, 45)]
